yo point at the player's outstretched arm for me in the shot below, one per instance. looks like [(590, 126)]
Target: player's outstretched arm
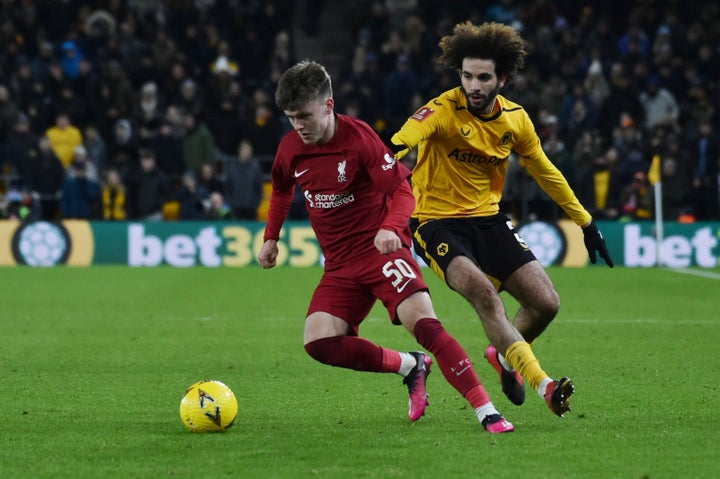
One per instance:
[(594, 242)]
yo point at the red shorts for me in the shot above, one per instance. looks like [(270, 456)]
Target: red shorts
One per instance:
[(350, 292)]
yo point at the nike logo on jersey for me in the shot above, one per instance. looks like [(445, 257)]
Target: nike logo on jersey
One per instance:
[(402, 287), (298, 174)]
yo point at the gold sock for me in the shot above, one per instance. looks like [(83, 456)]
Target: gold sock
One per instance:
[(520, 356)]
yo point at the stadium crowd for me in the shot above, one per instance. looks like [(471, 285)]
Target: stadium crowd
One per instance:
[(150, 110)]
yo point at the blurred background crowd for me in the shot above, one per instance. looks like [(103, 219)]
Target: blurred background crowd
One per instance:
[(148, 110)]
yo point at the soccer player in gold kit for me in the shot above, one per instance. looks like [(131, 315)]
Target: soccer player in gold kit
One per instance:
[(464, 139)]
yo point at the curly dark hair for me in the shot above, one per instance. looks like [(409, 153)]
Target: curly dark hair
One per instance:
[(491, 41)]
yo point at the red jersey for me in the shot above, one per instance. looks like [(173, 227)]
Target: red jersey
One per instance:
[(346, 183)]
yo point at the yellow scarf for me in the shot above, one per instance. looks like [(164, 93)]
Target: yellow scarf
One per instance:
[(113, 199)]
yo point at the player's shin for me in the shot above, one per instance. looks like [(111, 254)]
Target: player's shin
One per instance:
[(452, 359)]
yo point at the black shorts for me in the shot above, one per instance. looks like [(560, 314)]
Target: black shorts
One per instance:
[(491, 242)]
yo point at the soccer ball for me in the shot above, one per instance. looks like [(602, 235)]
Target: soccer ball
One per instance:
[(208, 406)]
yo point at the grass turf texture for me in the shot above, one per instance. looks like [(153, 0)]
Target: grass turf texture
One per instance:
[(94, 362)]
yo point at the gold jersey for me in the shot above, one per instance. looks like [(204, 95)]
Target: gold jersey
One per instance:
[(463, 160)]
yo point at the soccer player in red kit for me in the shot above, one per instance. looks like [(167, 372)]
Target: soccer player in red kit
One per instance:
[(359, 201)]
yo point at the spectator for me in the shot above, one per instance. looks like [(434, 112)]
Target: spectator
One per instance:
[(167, 145), (75, 106), (635, 44), (22, 85), (703, 150), (629, 141), (400, 90), (675, 192), (18, 205), (148, 112), (96, 148), (503, 11), (313, 14), (595, 83), (192, 203), (263, 130), (584, 154), (208, 180), (64, 137), (218, 209), (123, 147), (225, 116), (44, 177), (662, 46), (244, 182), (71, 58), (197, 145), (18, 147), (55, 79), (39, 106), (600, 187), (44, 56), (252, 55), (697, 106), (577, 115), (659, 105), (623, 100), (82, 164), (85, 83), (636, 199), (190, 99), (552, 93), (368, 78), (114, 197), (522, 92), (223, 63), (120, 91), (8, 115), (80, 191), (163, 49), (96, 74), (282, 52), (148, 190)]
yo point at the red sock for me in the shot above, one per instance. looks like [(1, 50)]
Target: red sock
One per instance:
[(452, 359), (355, 353)]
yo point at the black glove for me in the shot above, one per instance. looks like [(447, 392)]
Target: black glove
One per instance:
[(594, 241)]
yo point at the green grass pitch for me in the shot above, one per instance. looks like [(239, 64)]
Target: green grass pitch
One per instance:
[(94, 361)]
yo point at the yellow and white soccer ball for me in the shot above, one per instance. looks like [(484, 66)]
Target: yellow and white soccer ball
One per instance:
[(208, 406)]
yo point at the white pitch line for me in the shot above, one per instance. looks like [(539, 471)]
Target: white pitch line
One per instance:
[(695, 272), (643, 321)]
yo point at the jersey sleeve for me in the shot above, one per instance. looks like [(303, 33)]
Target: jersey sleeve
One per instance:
[(402, 204), (547, 175), (419, 127), (382, 166), (281, 197)]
